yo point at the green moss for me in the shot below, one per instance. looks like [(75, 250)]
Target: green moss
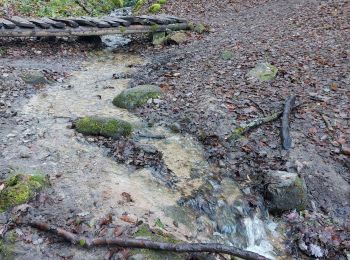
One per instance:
[(226, 55), (159, 223), (137, 96), (200, 28), (162, 2), (103, 126), (155, 8), (19, 189), (6, 250), (138, 6), (155, 27), (155, 235), (82, 242), (122, 29), (236, 133)]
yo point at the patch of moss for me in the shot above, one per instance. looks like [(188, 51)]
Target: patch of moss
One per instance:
[(103, 126), (136, 97), (226, 55), (122, 29), (6, 250), (237, 133), (155, 8), (200, 28), (155, 235), (162, 2), (155, 27), (20, 188), (138, 6)]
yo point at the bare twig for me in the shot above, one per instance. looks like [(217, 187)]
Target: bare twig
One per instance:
[(147, 244), (245, 128), (285, 134)]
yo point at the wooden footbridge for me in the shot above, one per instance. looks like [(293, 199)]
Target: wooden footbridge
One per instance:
[(84, 26)]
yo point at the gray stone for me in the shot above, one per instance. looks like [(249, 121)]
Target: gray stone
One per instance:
[(34, 77), (285, 191)]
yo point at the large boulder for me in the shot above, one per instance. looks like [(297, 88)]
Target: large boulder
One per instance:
[(135, 97), (285, 191)]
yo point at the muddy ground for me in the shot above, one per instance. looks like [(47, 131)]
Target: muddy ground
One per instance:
[(206, 97)]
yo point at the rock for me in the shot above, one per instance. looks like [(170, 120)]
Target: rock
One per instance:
[(178, 37), (19, 189), (345, 149), (159, 38), (263, 72), (107, 127), (176, 128), (137, 96), (285, 191), (199, 28), (34, 77)]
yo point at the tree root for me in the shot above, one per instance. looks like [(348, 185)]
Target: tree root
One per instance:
[(285, 134), (146, 244)]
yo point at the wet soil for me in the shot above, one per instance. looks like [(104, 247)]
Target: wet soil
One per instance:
[(210, 187)]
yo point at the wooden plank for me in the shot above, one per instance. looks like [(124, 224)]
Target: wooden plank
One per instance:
[(21, 22), (157, 20), (66, 21), (40, 23), (56, 24), (7, 24), (176, 19), (119, 20), (98, 22), (85, 31), (82, 21), (110, 21)]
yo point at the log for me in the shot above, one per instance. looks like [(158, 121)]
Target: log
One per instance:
[(55, 24), (83, 21), (285, 133), (40, 23), (147, 244), (7, 24), (67, 22), (21, 22), (85, 31), (99, 23)]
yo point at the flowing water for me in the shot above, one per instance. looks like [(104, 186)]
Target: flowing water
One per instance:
[(86, 180)]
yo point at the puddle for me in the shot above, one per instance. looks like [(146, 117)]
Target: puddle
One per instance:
[(86, 180)]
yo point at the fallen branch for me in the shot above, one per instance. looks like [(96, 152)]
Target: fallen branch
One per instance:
[(147, 244), (245, 128), (285, 134)]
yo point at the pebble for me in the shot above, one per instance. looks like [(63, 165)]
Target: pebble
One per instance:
[(345, 149)]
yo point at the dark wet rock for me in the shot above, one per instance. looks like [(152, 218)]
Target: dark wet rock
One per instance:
[(175, 127), (35, 77), (137, 96), (107, 127), (285, 191)]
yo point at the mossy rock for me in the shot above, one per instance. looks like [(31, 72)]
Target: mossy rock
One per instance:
[(19, 189), (145, 232), (285, 191), (34, 77), (155, 8), (137, 96), (106, 127)]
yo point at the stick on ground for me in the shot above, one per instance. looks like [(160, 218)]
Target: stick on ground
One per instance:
[(147, 244), (285, 133)]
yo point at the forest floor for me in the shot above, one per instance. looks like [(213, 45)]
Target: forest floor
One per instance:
[(207, 93)]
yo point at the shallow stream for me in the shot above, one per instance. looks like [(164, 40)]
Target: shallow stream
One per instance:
[(86, 179)]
